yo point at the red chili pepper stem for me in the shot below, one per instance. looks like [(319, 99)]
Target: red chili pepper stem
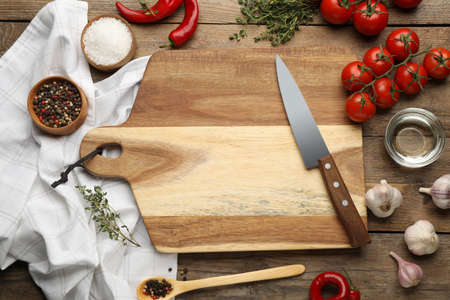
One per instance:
[(162, 9), (145, 6), (168, 44), (186, 29), (354, 292), (350, 283)]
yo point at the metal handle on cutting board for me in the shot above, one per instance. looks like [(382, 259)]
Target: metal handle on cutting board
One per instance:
[(104, 166)]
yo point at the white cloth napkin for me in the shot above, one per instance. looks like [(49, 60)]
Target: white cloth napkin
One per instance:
[(49, 228)]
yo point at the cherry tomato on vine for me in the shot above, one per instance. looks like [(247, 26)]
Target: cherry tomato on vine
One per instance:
[(411, 78), (407, 3), (386, 92), (437, 63), (402, 42), (359, 108), (355, 75), (371, 17), (336, 11), (379, 60)]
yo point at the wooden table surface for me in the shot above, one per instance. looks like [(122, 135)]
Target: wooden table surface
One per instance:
[(372, 270)]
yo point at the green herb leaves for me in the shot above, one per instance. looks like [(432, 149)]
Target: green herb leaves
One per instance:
[(238, 36), (281, 17), (106, 218)]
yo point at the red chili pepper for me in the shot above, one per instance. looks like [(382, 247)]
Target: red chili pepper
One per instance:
[(186, 29), (329, 278), (346, 291), (354, 292), (162, 9), (354, 295)]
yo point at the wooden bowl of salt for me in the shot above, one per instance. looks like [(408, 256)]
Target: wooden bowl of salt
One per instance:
[(108, 42)]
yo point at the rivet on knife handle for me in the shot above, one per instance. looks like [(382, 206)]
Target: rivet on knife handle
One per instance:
[(343, 203)]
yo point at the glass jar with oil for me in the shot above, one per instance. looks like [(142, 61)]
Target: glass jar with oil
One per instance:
[(414, 138)]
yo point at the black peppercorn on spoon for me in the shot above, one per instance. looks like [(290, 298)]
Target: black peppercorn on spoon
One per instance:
[(180, 287)]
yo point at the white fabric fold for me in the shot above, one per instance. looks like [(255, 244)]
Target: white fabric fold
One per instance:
[(49, 228)]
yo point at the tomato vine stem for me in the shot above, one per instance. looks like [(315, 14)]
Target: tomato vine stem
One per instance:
[(392, 68)]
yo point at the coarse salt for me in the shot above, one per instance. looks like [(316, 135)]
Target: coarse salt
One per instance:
[(107, 41)]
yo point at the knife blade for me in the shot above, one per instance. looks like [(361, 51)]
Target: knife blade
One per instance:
[(315, 153)]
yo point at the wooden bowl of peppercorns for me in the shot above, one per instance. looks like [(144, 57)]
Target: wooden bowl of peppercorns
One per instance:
[(57, 105)]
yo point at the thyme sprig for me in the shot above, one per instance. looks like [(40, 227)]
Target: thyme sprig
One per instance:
[(106, 218), (281, 18)]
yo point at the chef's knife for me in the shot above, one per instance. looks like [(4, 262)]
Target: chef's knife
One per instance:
[(315, 154)]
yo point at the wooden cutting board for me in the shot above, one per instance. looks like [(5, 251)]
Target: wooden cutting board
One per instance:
[(211, 159)]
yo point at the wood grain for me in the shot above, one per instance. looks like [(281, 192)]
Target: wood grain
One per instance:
[(225, 11), (17, 284), (188, 234), (237, 87), (371, 270), (9, 34), (382, 166), (216, 36), (431, 99), (377, 164), (259, 275), (215, 144), (239, 170)]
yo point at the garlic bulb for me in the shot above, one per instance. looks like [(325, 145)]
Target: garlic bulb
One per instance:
[(440, 192), (421, 238), (383, 199), (409, 274)]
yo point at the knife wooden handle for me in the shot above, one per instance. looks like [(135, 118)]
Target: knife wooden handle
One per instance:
[(343, 203)]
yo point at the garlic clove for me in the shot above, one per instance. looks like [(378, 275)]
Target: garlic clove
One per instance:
[(421, 238), (409, 274), (440, 192), (383, 199)]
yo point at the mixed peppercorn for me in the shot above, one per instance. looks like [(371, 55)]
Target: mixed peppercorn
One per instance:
[(57, 103), (157, 289)]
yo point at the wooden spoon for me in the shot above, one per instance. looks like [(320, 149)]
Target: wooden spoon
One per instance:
[(180, 287)]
